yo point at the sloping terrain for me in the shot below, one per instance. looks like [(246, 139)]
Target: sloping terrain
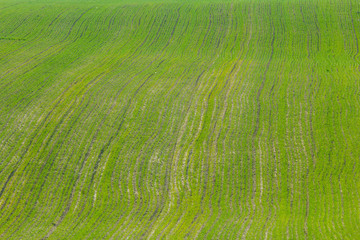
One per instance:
[(179, 119)]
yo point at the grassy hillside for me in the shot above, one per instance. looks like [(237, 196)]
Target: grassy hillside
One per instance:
[(179, 119)]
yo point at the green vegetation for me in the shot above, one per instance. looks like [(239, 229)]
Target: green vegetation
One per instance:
[(179, 119)]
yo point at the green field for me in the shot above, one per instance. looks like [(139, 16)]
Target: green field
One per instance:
[(170, 119)]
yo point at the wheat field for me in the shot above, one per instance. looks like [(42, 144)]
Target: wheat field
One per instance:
[(170, 119)]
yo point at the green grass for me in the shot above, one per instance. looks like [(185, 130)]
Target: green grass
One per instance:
[(179, 119)]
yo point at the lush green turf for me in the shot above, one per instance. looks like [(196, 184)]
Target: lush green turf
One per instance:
[(179, 119)]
